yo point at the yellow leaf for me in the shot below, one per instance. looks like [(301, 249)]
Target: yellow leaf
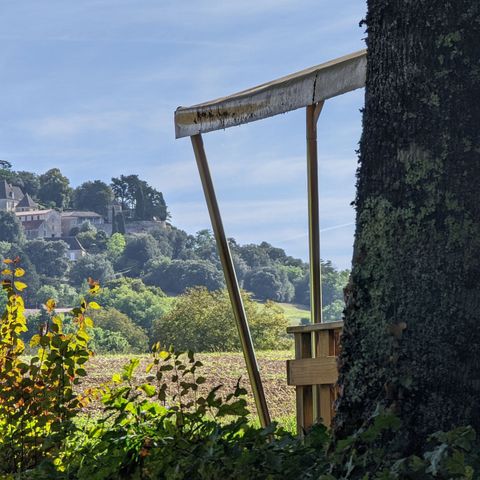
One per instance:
[(20, 286), (88, 322), (50, 304), (19, 272), (57, 321), (94, 305), (6, 272), (35, 340), (8, 260)]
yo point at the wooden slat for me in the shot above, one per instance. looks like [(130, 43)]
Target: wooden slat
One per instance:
[(312, 371), (314, 327), (325, 404), (304, 394), (294, 91)]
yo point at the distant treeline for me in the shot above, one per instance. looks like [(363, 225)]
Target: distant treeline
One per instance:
[(165, 257)]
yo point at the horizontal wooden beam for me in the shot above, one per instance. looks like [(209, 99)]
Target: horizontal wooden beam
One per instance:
[(297, 90), (312, 371), (315, 327)]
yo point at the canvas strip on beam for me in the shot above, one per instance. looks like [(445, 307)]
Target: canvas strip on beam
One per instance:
[(297, 90)]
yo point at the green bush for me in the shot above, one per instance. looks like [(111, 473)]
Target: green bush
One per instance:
[(110, 319), (106, 341), (140, 303), (203, 321), (38, 397)]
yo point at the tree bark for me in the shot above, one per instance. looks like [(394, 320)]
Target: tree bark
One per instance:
[(412, 322)]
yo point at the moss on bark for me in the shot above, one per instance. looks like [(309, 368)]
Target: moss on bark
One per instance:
[(412, 321)]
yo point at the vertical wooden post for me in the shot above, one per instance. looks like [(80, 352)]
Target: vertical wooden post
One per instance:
[(231, 281), (313, 112)]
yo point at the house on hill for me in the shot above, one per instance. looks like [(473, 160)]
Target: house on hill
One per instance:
[(10, 196), (76, 218), (40, 223), (75, 248)]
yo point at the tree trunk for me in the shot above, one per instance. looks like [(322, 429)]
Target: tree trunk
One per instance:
[(412, 323)]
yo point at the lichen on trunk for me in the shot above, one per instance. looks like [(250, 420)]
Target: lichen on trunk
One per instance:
[(412, 322)]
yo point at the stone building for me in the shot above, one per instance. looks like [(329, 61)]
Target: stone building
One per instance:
[(40, 223)]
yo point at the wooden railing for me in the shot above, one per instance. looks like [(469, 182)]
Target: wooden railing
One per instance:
[(314, 372)]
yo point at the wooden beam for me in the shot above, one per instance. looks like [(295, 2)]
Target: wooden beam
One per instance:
[(315, 327), (294, 91), (312, 371)]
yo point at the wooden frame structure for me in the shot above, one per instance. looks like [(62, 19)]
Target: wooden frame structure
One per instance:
[(314, 372), (307, 89)]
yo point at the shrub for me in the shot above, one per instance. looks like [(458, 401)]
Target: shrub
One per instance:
[(203, 321), (112, 320), (269, 283), (37, 397), (176, 430), (141, 304), (91, 266), (106, 341)]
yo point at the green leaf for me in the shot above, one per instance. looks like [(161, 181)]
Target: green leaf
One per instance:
[(149, 389)]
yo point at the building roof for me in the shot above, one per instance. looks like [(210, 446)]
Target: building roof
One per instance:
[(10, 192), (35, 212), (17, 192), (32, 224), (72, 242), (80, 214), (27, 202), (297, 90)]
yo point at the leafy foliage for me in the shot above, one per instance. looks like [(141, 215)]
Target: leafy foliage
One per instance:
[(112, 320), (94, 196), (169, 427), (178, 275), (48, 257), (91, 266), (54, 189), (140, 303), (142, 201), (10, 228), (37, 397), (204, 321)]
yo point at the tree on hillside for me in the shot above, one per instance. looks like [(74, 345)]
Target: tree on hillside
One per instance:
[(30, 182), (178, 275), (54, 189), (95, 196), (6, 172), (411, 340), (269, 283), (137, 252), (97, 267), (10, 228), (48, 256), (139, 198), (140, 303)]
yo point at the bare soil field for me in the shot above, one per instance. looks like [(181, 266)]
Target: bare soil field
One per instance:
[(219, 368)]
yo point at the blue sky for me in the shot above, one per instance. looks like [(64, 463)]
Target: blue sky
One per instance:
[(90, 87)]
